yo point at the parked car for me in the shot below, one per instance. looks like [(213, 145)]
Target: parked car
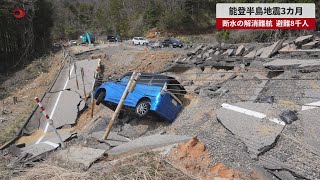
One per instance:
[(172, 42), (140, 41), (112, 38), (153, 93)]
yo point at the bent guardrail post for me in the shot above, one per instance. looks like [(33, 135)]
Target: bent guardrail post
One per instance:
[(50, 121), (129, 88), (75, 72), (84, 86)]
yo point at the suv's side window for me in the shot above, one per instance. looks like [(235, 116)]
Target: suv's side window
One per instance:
[(125, 79), (145, 79), (158, 81)]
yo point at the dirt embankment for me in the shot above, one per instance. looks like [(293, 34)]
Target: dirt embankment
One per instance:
[(193, 158), (25, 85), (118, 61)]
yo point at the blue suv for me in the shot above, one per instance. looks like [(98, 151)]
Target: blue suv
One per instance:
[(153, 92)]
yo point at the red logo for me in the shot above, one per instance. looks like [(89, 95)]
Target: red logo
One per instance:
[(19, 13)]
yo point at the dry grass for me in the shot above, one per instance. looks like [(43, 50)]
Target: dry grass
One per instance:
[(144, 166), (46, 171), (148, 165), (33, 81)]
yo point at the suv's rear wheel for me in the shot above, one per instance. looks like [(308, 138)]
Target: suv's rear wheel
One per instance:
[(101, 97), (142, 108)]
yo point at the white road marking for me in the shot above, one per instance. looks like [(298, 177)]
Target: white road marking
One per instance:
[(311, 106), (51, 144), (251, 113), (54, 108)]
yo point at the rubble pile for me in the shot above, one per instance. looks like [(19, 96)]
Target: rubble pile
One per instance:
[(229, 55), (261, 96)]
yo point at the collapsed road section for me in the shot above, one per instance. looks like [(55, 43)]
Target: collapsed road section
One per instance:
[(64, 102)]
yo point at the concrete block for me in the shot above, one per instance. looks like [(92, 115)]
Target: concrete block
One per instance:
[(80, 156), (251, 54), (146, 143), (217, 53), (229, 52), (309, 45), (211, 51), (303, 40), (206, 55), (289, 47), (240, 50), (268, 52), (197, 50), (259, 52)]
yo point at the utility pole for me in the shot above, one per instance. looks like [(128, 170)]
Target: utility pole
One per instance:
[(130, 87), (84, 86)]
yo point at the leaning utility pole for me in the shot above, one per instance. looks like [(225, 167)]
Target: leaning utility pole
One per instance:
[(130, 87)]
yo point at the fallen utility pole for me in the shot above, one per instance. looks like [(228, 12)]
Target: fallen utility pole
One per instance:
[(130, 87)]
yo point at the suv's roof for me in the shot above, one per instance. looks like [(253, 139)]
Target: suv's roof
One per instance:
[(158, 80), (150, 74)]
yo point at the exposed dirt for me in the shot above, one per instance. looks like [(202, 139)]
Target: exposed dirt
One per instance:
[(32, 138), (85, 117), (121, 60), (193, 158)]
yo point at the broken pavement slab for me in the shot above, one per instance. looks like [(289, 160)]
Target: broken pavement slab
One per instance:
[(197, 50), (240, 50), (65, 105), (37, 151), (249, 121), (292, 63), (146, 143), (114, 139), (283, 175), (269, 51), (78, 157), (251, 54), (311, 128), (288, 48), (229, 52), (309, 45), (303, 40), (260, 51), (260, 87)]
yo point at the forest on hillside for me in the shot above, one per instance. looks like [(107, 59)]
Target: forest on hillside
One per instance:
[(46, 21), (132, 18)]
